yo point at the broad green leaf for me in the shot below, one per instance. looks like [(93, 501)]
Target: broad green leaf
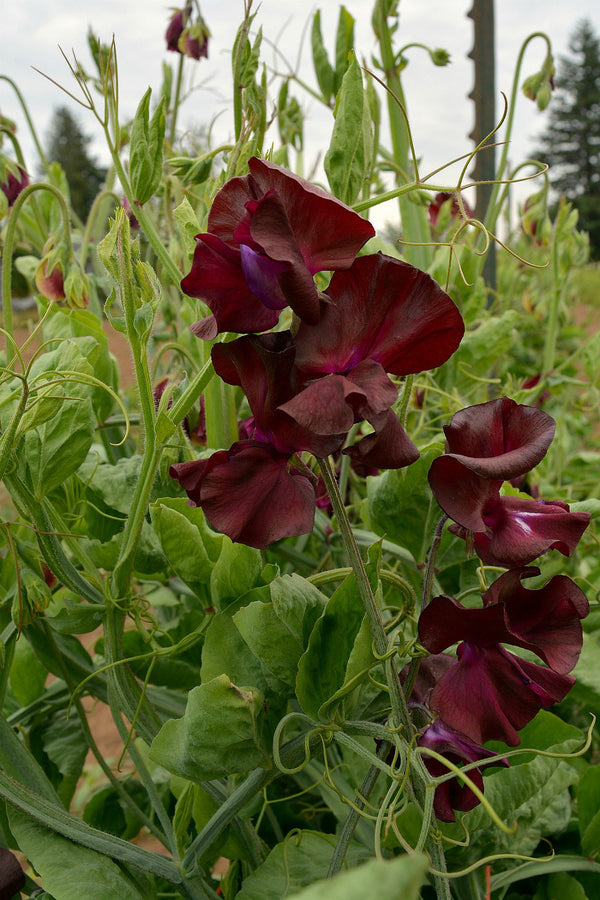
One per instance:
[(323, 668), (392, 879), (56, 449), (297, 603), (401, 503), (482, 346), (323, 70), (588, 809), (146, 145), (303, 857), (69, 871), (219, 734), (349, 157), (27, 674), (344, 42), (236, 571), (190, 545), (533, 792)]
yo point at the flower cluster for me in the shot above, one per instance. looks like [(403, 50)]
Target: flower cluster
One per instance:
[(190, 38), (487, 692), (269, 233)]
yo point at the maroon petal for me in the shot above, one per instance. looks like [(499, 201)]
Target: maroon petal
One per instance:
[(389, 447), (445, 622), (520, 529), (327, 233), (461, 493), (547, 620), (500, 439), (262, 277), (490, 694), (12, 876), (250, 493), (217, 277), (457, 748), (263, 366), (385, 310)]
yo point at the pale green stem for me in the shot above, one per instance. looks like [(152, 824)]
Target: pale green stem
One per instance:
[(38, 146)]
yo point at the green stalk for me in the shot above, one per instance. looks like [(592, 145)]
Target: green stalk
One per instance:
[(400, 716), (414, 221), (551, 335), (32, 130)]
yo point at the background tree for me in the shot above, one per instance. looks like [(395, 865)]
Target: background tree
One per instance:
[(68, 145), (571, 142)]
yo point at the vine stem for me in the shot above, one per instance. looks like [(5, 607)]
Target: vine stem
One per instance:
[(400, 715)]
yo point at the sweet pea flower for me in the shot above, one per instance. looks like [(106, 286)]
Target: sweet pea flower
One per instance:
[(269, 233), (380, 316), (486, 444), (490, 693), (457, 748)]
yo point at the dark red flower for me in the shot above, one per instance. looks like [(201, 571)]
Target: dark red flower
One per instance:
[(499, 439), (175, 28), (490, 693), (269, 233), (507, 531), (379, 316), (251, 492), (457, 748), (12, 876)]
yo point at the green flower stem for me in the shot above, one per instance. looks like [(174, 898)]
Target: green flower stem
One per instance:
[(49, 541), (117, 785), (421, 781), (494, 207), (551, 331), (426, 593), (8, 436), (414, 221), (9, 241), (351, 821), (62, 822), (176, 101), (32, 130)]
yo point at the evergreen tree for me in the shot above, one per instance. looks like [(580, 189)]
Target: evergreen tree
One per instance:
[(68, 145), (571, 142)]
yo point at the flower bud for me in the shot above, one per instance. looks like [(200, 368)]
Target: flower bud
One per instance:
[(439, 56), (13, 180), (77, 287), (49, 275)]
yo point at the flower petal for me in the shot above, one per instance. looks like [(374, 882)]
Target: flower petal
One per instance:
[(217, 277), (389, 447), (500, 439), (385, 310), (490, 694), (250, 493)]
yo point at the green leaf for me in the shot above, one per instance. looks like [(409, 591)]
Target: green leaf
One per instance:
[(401, 503), (588, 808), (69, 871), (533, 793), (146, 146), (296, 862), (236, 571), (399, 877), (349, 157), (27, 674), (56, 449), (190, 545), (324, 669), (323, 70), (344, 42), (218, 735)]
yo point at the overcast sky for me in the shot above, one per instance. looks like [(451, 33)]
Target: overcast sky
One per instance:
[(441, 116)]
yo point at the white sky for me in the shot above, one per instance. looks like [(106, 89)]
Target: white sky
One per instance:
[(440, 113)]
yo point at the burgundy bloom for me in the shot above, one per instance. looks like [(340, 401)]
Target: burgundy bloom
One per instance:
[(194, 40), (379, 316), (50, 282), (250, 492), (269, 233), (490, 693), (175, 28), (17, 180), (457, 748), (12, 876), (499, 439), (507, 531)]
